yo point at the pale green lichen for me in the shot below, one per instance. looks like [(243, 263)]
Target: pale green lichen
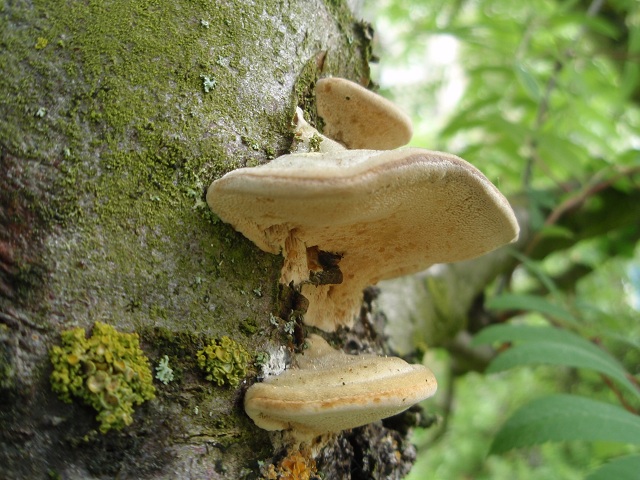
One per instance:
[(208, 83), (107, 371), (164, 372), (290, 327), (262, 358), (224, 361)]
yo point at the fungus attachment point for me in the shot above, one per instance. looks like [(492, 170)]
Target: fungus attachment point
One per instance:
[(332, 391), (359, 118), (373, 214), (307, 139)]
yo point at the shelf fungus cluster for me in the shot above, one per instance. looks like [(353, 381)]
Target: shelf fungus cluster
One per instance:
[(346, 212)]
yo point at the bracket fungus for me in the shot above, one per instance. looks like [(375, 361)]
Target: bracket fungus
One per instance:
[(331, 391), (359, 118), (371, 215)]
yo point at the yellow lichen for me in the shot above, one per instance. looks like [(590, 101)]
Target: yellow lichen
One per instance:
[(224, 361), (108, 371)]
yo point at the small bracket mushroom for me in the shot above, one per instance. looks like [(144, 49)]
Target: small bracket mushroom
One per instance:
[(330, 391), (359, 118)]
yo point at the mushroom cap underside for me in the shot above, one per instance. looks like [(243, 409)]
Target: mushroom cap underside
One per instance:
[(396, 211), (330, 415), (360, 118)]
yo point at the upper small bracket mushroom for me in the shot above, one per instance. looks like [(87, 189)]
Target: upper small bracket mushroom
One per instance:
[(359, 118)]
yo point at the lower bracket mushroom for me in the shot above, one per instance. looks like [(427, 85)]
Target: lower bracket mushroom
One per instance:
[(330, 391)]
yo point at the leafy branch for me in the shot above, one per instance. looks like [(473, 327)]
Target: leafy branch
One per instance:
[(574, 202), (543, 106)]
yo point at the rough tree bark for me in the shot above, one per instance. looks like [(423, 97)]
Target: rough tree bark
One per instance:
[(114, 118)]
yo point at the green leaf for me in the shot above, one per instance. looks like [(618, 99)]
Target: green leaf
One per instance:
[(551, 346), (527, 81), (559, 418), (471, 115), (534, 267), (513, 333), (531, 302), (582, 19), (631, 71), (559, 353), (629, 157), (563, 153), (556, 231), (624, 468)]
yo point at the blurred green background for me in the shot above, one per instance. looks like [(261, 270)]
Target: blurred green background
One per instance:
[(543, 96)]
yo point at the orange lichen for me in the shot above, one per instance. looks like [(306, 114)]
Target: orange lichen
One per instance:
[(297, 465)]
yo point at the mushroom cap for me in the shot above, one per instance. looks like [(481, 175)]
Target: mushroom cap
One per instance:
[(359, 118), (333, 391), (385, 213)]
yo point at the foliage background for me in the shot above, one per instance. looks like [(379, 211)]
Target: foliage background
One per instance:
[(543, 97)]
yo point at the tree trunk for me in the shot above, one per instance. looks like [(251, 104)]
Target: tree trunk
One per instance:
[(115, 116)]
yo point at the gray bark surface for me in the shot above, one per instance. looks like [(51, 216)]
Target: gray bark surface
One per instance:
[(115, 117)]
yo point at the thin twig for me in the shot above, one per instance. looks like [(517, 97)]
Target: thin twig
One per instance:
[(614, 388), (576, 201), (448, 407)]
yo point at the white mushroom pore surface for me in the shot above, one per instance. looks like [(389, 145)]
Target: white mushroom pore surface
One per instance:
[(378, 214), (331, 391)]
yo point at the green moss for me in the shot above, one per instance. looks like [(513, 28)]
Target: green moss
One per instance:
[(249, 326), (107, 371), (53, 475), (180, 346), (224, 361), (358, 36), (314, 143), (304, 88), (7, 373)]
